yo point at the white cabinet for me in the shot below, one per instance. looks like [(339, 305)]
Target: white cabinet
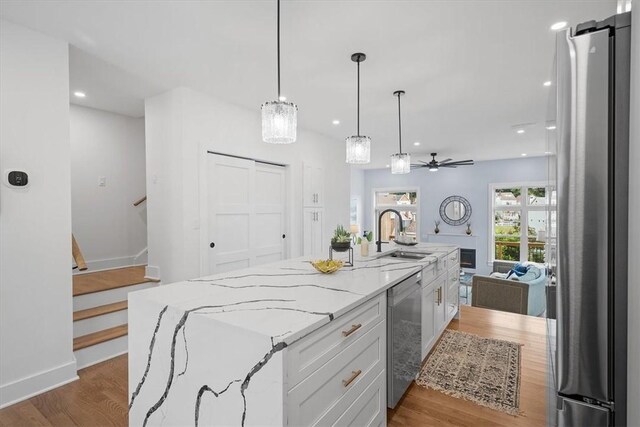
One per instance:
[(336, 374), (440, 312), (428, 318), (313, 185), (313, 230)]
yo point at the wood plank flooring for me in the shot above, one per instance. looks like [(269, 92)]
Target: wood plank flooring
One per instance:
[(100, 336), (109, 279), (425, 407), (99, 398)]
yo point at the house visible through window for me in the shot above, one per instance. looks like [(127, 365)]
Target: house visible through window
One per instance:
[(519, 223), (406, 203)]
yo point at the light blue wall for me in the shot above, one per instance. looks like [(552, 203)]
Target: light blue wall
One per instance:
[(471, 182)]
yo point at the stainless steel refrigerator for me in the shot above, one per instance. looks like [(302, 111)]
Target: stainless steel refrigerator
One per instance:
[(592, 192)]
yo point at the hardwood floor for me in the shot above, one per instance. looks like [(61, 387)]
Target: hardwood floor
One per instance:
[(99, 398), (425, 407)]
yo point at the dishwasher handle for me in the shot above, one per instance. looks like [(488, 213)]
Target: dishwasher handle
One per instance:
[(402, 290)]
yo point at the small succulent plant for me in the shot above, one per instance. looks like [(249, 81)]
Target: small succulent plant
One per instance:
[(340, 235)]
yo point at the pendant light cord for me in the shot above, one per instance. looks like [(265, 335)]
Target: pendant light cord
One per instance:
[(358, 130), (278, 50), (399, 125)]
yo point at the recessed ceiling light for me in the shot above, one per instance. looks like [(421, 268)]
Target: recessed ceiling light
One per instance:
[(282, 98), (524, 154), (386, 166), (336, 122), (552, 127), (559, 25), (79, 94), (520, 131), (547, 83), (416, 143), (547, 152)]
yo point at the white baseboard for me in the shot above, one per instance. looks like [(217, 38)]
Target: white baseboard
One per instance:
[(38, 383), (152, 272)]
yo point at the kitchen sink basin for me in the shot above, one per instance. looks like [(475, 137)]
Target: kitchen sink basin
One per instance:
[(417, 256)]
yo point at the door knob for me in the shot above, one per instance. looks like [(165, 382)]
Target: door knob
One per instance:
[(284, 235), (212, 245)]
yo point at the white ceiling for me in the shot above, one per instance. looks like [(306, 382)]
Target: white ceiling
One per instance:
[(471, 69)]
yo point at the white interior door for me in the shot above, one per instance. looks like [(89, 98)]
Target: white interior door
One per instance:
[(269, 232), (245, 214)]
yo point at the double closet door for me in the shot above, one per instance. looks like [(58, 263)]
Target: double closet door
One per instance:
[(246, 202)]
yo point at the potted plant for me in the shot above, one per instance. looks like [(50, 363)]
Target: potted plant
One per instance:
[(341, 240), (364, 242)]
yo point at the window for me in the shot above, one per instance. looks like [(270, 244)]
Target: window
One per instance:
[(519, 215), (405, 201)]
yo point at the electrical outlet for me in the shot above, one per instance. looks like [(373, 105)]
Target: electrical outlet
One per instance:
[(102, 181)]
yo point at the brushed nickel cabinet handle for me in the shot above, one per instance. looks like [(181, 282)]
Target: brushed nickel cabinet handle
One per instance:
[(352, 330), (354, 375)]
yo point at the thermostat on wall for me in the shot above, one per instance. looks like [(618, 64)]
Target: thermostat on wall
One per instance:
[(16, 178)]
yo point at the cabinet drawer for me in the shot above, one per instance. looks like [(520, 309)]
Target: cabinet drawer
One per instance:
[(339, 382), (453, 257), (454, 274), (429, 273), (369, 409), (311, 352)]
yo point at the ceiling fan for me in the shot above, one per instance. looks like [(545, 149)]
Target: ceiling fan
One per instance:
[(434, 165)]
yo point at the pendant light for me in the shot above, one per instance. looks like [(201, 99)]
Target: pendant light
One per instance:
[(279, 118), (400, 162), (358, 146)]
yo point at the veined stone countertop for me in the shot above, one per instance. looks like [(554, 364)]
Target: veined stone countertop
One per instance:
[(209, 351), (290, 299)]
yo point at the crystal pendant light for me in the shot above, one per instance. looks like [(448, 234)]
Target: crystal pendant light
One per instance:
[(279, 118), (358, 146), (400, 162)]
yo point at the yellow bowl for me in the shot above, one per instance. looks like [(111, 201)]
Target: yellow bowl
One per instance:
[(327, 266)]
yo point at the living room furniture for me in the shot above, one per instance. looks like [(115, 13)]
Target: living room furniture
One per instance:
[(515, 296), (466, 282)]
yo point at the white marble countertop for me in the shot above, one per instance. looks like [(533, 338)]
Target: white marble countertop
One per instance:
[(290, 299)]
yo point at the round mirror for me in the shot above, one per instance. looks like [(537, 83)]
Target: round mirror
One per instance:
[(455, 210)]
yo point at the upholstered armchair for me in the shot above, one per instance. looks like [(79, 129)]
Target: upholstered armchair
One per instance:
[(509, 295)]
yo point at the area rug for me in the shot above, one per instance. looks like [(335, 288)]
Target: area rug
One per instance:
[(485, 371)]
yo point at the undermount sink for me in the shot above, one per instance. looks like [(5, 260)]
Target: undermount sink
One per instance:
[(407, 255)]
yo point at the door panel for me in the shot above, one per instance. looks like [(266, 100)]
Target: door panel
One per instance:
[(246, 213), (583, 300), (428, 326)]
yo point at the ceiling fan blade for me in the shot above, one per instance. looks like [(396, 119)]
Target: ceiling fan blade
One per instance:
[(444, 161), (461, 163), (422, 161), (448, 165)]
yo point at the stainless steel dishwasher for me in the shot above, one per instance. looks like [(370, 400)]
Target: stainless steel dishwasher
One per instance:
[(404, 333)]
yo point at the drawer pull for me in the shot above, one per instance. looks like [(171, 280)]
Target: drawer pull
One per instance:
[(353, 376), (352, 330)]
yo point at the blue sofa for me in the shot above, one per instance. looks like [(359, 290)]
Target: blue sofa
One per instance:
[(524, 295)]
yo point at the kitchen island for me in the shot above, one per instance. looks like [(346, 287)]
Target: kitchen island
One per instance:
[(279, 344)]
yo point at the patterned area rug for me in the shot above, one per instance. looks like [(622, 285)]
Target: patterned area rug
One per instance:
[(483, 370)]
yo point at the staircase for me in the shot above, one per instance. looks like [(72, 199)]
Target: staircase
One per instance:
[(100, 312)]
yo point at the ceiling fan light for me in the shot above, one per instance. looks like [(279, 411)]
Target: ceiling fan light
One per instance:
[(279, 122), (433, 169), (400, 163), (358, 149)]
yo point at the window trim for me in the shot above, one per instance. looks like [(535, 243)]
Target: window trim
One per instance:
[(375, 207), (523, 208)]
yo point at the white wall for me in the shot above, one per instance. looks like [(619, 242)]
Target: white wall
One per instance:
[(358, 195), (633, 417), (179, 125), (471, 182), (108, 228), (35, 222)]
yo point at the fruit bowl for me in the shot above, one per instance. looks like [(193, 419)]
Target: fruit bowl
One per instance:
[(327, 266)]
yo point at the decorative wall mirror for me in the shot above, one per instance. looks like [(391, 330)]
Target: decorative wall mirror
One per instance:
[(455, 210)]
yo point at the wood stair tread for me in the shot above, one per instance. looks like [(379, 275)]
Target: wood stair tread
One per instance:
[(109, 279), (99, 310), (99, 337)]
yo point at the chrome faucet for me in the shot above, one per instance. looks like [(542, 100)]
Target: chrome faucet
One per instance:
[(379, 242)]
